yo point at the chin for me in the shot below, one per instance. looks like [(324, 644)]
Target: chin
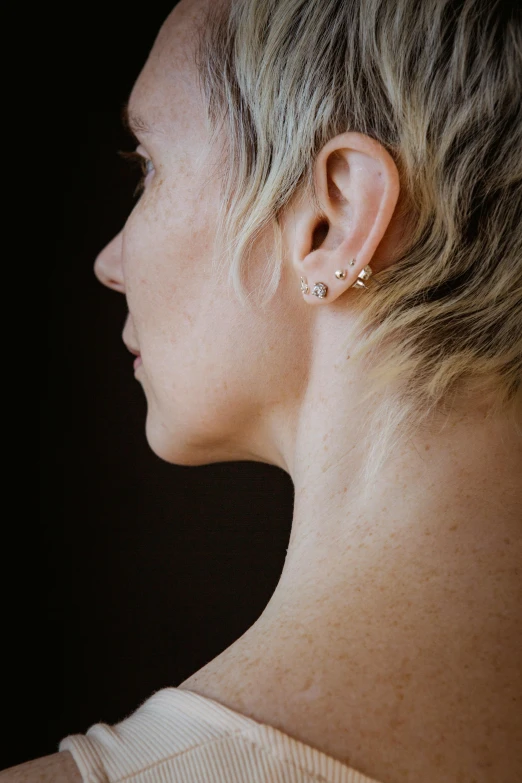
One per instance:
[(186, 446), (168, 447)]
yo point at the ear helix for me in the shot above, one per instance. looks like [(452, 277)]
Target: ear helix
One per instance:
[(321, 289)]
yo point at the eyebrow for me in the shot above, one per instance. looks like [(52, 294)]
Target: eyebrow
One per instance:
[(134, 122)]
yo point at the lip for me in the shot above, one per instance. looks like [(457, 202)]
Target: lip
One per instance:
[(137, 362)]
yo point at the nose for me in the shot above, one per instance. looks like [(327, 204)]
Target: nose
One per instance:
[(108, 267)]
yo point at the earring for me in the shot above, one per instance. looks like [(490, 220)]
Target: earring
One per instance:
[(341, 273), (363, 275), (320, 290)]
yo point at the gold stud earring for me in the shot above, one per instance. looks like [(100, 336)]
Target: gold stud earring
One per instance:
[(341, 273)]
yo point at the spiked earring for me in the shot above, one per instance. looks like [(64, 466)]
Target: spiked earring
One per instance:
[(363, 275), (321, 289)]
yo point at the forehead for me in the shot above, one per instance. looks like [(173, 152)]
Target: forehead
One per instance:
[(167, 87)]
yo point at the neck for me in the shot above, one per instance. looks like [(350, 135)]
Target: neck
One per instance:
[(397, 612), (443, 498)]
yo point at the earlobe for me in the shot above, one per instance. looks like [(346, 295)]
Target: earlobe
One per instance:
[(357, 184), (321, 289)]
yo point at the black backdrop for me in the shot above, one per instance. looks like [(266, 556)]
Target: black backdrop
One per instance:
[(142, 571)]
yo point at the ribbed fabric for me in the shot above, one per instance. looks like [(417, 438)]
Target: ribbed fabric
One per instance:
[(178, 736)]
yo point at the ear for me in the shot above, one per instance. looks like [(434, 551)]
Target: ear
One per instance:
[(357, 183)]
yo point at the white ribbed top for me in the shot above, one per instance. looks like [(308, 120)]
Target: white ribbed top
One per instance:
[(178, 736)]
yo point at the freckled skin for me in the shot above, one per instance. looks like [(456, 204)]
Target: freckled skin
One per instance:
[(392, 641)]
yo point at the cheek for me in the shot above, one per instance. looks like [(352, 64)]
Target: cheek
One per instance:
[(183, 326), (164, 242), (208, 363)]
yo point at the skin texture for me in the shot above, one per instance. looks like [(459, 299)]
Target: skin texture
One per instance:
[(392, 641), (57, 768)]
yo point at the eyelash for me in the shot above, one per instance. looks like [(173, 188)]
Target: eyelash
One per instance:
[(135, 158)]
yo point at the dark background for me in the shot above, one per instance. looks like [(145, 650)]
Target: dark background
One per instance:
[(138, 572)]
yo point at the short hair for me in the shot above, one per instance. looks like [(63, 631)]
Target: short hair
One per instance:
[(438, 84)]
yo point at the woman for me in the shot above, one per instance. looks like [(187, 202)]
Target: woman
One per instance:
[(324, 273)]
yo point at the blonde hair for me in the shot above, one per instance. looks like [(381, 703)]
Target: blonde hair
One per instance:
[(438, 84)]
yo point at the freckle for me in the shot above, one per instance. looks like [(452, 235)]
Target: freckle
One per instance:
[(427, 447), (453, 527), (507, 541)]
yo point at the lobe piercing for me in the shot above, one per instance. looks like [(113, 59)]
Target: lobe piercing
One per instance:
[(320, 290)]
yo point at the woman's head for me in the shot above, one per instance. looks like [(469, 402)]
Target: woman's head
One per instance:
[(288, 138)]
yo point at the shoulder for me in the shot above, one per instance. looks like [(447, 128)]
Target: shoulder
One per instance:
[(57, 768)]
